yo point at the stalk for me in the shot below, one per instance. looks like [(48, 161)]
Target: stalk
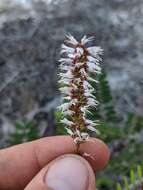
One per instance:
[(79, 66)]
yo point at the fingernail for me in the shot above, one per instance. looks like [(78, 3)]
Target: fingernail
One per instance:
[(67, 173)]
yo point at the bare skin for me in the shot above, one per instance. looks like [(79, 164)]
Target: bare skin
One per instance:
[(21, 163)]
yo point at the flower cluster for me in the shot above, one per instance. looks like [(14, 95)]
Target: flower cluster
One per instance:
[(78, 64)]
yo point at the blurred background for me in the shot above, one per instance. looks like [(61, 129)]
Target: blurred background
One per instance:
[(31, 32)]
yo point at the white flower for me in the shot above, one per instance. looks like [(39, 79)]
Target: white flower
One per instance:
[(79, 64), (69, 131), (83, 72), (66, 90), (93, 59), (93, 66), (74, 87), (95, 50), (76, 66), (66, 98), (79, 51), (66, 49), (88, 94), (74, 101), (87, 85), (67, 122), (71, 40), (84, 136), (68, 112), (92, 80), (77, 80), (64, 81), (93, 129), (67, 75), (64, 106), (72, 56), (78, 133), (92, 102), (90, 122), (85, 40)]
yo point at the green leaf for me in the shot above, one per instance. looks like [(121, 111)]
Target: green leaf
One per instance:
[(126, 183), (132, 176), (119, 186), (139, 171)]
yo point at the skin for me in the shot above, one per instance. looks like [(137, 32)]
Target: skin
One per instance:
[(21, 163)]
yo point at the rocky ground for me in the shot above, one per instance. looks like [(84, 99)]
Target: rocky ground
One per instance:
[(30, 38)]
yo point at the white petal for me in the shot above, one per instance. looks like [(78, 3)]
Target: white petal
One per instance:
[(87, 94), (79, 64), (78, 80), (93, 67), (84, 40), (90, 90), (69, 131), (71, 39), (87, 85), (92, 102), (67, 75), (78, 133), (65, 68), (84, 109), (71, 56), (98, 57), (95, 50), (64, 106), (90, 122), (79, 51), (65, 81), (68, 112), (92, 59), (74, 86), (65, 90), (94, 71), (66, 98), (93, 80), (67, 122), (74, 101), (93, 129), (83, 72), (85, 136), (66, 49)]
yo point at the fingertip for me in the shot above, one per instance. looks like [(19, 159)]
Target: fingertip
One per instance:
[(96, 152)]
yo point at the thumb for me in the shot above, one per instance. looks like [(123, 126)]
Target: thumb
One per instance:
[(67, 172)]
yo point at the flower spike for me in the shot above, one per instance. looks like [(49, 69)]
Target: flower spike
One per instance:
[(78, 65)]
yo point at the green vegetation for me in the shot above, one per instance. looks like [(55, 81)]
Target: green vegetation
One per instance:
[(133, 181), (23, 132)]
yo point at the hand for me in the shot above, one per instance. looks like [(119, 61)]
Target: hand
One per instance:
[(50, 164)]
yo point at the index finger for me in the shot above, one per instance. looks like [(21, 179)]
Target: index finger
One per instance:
[(20, 163)]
